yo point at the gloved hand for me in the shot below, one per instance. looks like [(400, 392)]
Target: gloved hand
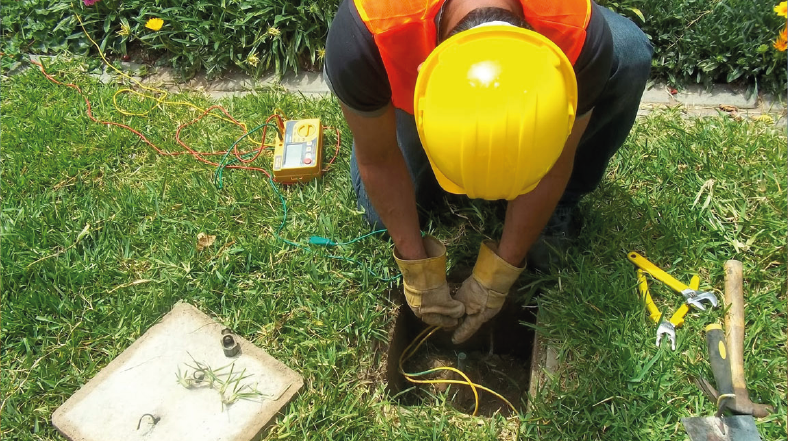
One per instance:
[(426, 289), (484, 292)]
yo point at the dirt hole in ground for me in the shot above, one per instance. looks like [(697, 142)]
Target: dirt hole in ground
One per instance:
[(497, 357)]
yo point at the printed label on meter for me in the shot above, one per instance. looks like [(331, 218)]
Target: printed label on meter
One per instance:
[(300, 157)]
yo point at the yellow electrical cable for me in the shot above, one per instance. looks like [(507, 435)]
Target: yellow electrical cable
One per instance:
[(161, 92), (407, 353), (411, 349)]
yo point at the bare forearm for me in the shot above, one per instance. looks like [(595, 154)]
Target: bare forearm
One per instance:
[(527, 215), (386, 179), (390, 191)]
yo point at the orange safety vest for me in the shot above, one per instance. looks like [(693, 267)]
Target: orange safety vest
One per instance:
[(405, 34)]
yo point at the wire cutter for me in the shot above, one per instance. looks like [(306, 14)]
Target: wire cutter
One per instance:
[(692, 297), (665, 327)]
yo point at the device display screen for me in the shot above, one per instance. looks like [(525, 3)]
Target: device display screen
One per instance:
[(293, 154)]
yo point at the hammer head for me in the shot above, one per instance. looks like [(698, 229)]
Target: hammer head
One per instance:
[(739, 405)]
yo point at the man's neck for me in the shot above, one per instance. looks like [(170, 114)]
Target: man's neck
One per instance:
[(454, 10)]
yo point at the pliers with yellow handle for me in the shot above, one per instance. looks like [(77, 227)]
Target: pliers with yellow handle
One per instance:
[(692, 297), (666, 327)]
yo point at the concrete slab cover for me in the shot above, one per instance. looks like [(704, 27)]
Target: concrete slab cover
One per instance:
[(140, 389)]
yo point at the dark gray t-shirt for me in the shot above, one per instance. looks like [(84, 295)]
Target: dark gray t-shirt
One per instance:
[(357, 76)]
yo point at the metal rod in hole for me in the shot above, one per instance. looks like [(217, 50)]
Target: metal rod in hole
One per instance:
[(461, 360)]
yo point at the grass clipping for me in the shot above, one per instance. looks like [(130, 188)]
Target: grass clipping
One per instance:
[(225, 380)]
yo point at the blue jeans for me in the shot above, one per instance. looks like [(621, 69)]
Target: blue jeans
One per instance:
[(613, 117)]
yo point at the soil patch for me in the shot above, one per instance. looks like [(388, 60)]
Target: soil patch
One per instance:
[(497, 357)]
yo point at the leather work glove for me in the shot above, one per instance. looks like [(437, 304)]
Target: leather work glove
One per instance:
[(484, 292), (426, 289)]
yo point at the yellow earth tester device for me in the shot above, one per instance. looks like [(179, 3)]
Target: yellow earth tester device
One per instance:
[(298, 157)]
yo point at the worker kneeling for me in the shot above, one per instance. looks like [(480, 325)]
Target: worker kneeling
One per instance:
[(523, 101)]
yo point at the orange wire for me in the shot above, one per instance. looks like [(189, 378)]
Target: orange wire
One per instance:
[(336, 151), (200, 156)]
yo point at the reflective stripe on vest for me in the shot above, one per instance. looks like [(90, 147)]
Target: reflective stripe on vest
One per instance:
[(404, 32)]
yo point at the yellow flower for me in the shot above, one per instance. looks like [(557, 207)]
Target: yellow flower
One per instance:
[(272, 31), (154, 24), (781, 9), (781, 43), (252, 59), (124, 31), (321, 53)]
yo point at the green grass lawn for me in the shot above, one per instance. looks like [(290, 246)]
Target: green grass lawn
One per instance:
[(99, 234)]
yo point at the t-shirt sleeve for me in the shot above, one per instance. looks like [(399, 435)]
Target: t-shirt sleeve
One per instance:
[(357, 76), (592, 68), (353, 67)]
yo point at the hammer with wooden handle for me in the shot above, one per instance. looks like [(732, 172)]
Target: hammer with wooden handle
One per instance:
[(734, 332)]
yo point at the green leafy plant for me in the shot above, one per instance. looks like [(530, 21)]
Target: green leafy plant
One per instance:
[(205, 35), (708, 41), (695, 41)]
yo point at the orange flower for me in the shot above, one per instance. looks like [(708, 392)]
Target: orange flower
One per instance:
[(781, 9), (781, 43)]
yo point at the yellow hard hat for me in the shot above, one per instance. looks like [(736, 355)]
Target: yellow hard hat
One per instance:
[(494, 106)]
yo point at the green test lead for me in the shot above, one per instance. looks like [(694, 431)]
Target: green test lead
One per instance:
[(323, 241)]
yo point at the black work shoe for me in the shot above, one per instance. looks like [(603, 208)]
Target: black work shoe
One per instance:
[(561, 230)]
